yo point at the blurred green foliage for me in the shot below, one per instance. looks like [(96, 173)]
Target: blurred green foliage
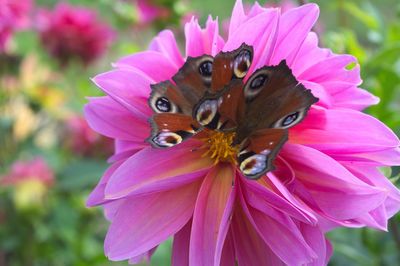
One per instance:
[(64, 232)]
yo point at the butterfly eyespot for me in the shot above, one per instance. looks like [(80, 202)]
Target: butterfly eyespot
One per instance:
[(205, 68), (259, 81), (242, 63), (290, 119), (167, 139), (254, 165), (163, 105), (206, 112), (255, 84)]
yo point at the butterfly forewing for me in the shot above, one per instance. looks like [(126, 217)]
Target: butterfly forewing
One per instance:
[(272, 93), (231, 65), (174, 102), (194, 77)]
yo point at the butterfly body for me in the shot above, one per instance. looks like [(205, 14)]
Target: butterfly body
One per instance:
[(210, 93)]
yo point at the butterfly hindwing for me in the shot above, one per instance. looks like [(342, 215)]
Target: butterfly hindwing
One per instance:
[(169, 129), (258, 151)]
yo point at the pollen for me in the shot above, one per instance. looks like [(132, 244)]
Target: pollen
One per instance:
[(218, 146)]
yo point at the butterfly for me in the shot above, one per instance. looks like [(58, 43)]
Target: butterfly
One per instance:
[(210, 92)]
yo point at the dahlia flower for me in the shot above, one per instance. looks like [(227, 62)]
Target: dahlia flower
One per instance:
[(31, 180), (72, 32), (14, 15), (325, 175)]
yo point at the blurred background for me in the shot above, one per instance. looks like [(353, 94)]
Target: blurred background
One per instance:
[(49, 157)]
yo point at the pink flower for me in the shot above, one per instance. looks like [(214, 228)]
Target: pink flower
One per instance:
[(71, 32), (30, 180), (82, 140), (284, 5), (24, 170), (148, 12), (326, 174), (14, 15)]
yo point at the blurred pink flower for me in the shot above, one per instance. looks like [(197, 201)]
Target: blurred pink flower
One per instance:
[(14, 15), (326, 174), (284, 5), (82, 140), (148, 12), (72, 32), (30, 180), (36, 169)]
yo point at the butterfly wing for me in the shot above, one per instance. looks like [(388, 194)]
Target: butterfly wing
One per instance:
[(274, 99), (170, 129), (174, 103), (229, 68), (274, 102), (258, 151), (197, 79), (231, 65)]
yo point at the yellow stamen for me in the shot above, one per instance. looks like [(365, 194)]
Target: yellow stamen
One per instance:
[(218, 146)]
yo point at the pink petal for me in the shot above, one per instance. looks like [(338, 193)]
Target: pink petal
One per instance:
[(266, 42), (96, 197), (250, 248), (228, 257), (144, 222), (355, 98), (337, 192), (325, 100), (259, 24), (155, 65), (145, 257), (237, 18), (346, 132), (165, 43), (260, 196), (294, 26), (157, 169), (199, 41), (292, 249), (128, 153), (322, 70), (194, 38), (316, 239), (386, 157), (309, 54), (111, 208), (180, 248), (129, 88), (109, 118), (372, 176), (216, 42), (211, 218)]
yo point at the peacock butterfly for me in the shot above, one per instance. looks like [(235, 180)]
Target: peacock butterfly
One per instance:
[(209, 92)]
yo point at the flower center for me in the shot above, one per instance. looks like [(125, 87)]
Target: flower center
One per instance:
[(219, 147)]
